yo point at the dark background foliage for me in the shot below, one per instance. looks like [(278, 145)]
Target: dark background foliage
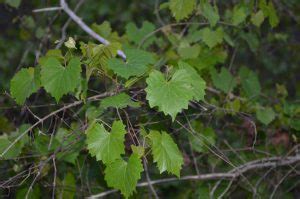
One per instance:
[(271, 53)]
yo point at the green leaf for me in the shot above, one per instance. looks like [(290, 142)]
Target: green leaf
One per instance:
[(186, 51), (124, 175), (121, 100), (239, 15), (212, 38), (196, 80), (223, 80), (166, 153), (103, 29), (210, 13), (250, 82), (136, 35), (13, 152), (208, 58), (171, 96), (273, 18), (258, 18), (24, 84), (98, 56), (181, 9), (265, 115), (67, 189), (13, 3), (295, 124), (270, 12), (139, 150), (59, 80), (136, 64), (35, 193), (103, 145)]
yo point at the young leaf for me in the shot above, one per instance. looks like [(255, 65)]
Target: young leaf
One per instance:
[(165, 153), (136, 64), (210, 13), (124, 175), (103, 145), (181, 9), (59, 80), (196, 80), (121, 100), (212, 38), (24, 84), (70, 43), (171, 96), (265, 115)]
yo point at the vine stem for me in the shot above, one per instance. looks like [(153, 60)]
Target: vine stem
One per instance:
[(85, 27)]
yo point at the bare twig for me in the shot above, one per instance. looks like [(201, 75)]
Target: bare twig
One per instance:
[(47, 9), (233, 174), (65, 26)]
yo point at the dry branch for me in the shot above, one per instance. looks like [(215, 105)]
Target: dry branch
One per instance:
[(231, 175)]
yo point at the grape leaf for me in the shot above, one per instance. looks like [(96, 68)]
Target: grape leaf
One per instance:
[(208, 58), (181, 9), (223, 80), (210, 13), (170, 96), (23, 84), (121, 100), (273, 18), (59, 80), (136, 64), (186, 51), (250, 82), (136, 35), (103, 145), (212, 37), (239, 15), (197, 82), (104, 29), (166, 153), (258, 18), (270, 12), (265, 115), (124, 175)]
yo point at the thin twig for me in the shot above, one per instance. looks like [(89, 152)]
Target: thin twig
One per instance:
[(47, 9)]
